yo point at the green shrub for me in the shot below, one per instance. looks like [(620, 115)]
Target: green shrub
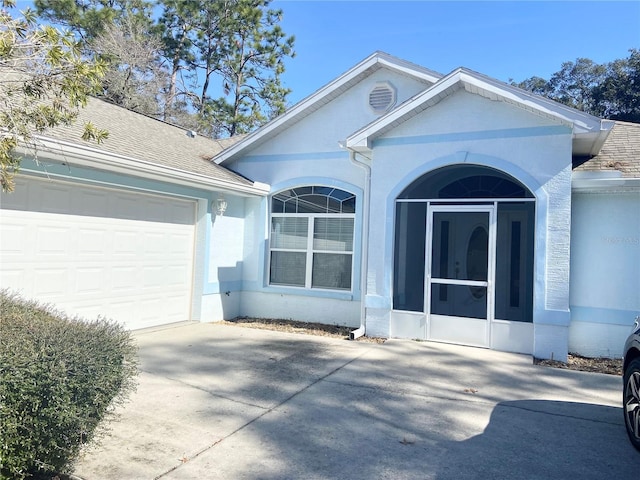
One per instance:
[(59, 378)]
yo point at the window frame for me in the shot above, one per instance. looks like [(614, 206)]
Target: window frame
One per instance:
[(310, 249)]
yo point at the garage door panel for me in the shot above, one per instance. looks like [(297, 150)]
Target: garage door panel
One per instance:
[(91, 280), (18, 199), (123, 309), (179, 214), (123, 278), (125, 243), (92, 242), (122, 255), (155, 211), (51, 282), (128, 208), (177, 275), (155, 243), (54, 240), (55, 199), (13, 238), (14, 278), (91, 309), (174, 305), (176, 244), (152, 277), (93, 204)]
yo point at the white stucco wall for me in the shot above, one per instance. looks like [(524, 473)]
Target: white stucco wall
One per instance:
[(224, 258), (605, 266), (308, 153), (309, 148), (306, 308), (466, 128), (463, 128)]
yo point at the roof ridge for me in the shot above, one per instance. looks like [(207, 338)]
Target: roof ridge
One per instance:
[(147, 115)]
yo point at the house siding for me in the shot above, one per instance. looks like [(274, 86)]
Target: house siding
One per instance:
[(605, 258)]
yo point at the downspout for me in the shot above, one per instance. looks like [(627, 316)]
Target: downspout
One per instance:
[(361, 330)]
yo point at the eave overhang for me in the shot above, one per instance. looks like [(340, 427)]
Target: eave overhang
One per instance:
[(66, 153)]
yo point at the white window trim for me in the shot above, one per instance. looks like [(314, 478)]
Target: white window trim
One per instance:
[(310, 250)]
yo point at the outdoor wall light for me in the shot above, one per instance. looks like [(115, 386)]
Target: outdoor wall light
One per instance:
[(220, 206)]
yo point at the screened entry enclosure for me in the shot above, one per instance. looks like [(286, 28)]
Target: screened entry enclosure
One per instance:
[(463, 258)]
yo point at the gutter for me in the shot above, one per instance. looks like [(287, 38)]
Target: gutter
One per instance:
[(361, 330), (84, 156), (604, 183)]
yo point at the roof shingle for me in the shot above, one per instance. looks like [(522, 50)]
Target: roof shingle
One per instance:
[(144, 138), (620, 152)]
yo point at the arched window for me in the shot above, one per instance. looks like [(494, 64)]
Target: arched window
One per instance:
[(311, 241), (465, 181)]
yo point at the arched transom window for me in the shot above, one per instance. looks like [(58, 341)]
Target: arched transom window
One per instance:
[(311, 241)]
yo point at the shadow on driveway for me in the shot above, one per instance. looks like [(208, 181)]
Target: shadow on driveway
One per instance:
[(221, 402), (541, 439)]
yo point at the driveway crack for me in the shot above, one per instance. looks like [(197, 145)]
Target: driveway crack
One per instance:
[(208, 392)]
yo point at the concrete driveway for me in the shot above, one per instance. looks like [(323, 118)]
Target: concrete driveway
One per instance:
[(222, 402)]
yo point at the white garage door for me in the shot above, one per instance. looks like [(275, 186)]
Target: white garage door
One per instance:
[(94, 251)]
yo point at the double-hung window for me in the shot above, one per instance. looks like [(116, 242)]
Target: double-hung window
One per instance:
[(311, 241)]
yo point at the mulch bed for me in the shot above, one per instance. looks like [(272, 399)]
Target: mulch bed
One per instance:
[(610, 366), (292, 326)]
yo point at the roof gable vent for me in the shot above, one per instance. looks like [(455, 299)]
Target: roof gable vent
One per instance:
[(382, 97)]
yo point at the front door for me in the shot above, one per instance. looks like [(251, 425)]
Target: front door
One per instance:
[(460, 273)]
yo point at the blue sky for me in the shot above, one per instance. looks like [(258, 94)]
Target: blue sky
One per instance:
[(505, 40)]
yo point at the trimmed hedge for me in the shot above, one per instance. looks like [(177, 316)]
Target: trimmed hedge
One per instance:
[(60, 376)]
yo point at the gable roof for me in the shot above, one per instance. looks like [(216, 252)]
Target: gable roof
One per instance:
[(143, 146), (619, 154), (589, 132), (326, 94)]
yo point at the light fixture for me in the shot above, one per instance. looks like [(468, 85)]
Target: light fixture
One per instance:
[(221, 206)]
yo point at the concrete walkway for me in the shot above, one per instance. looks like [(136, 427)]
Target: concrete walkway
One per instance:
[(223, 402)]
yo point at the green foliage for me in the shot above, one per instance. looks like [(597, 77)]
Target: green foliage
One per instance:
[(251, 66), (218, 67), (618, 95), (44, 80), (60, 377), (610, 90), (235, 48), (88, 18)]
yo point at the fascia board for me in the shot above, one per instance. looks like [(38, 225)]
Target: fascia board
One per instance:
[(80, 155), (594, 184), (580, 122), (298, 109), (324, 94), (408, 68), (585, 127)]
